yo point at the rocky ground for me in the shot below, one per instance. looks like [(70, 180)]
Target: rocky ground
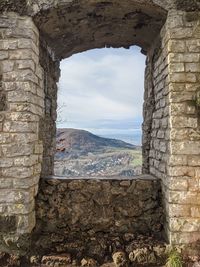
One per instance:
[(147, 252)]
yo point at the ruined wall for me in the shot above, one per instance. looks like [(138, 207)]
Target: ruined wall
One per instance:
[(85, 216), (47, 128), (22, 104), (174, 147), (156, 141), (171, 108), (181, 37), (172, 140), (156, 97)]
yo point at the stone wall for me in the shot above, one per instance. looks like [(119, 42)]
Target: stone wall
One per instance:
[(29, 71), (159, 134), (85, 216), (22, 105), (181, 37), (47, 128), (174, 144)]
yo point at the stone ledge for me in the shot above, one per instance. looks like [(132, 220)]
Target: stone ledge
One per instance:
[(99, 178)]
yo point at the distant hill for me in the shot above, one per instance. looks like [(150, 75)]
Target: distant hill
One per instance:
[(68, 140), (83, 154)]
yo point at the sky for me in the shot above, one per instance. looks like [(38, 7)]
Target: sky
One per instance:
[(101, 90)]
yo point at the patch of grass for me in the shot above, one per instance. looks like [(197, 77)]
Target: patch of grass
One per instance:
[(174, 259), (136, 158)]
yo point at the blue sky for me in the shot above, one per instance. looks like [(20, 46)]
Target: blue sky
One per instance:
[(101, 90)]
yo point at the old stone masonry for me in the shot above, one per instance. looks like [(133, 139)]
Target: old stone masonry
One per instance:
[(34, 36)]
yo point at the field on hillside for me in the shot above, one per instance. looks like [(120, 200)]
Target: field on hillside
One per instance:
[(106, 162)]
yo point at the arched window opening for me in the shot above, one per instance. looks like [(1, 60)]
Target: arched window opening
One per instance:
[(99, 114)]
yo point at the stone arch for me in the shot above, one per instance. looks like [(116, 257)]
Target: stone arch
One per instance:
[(76, 26), (29, 66)]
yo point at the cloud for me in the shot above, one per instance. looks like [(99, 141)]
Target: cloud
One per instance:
[(102, 85)]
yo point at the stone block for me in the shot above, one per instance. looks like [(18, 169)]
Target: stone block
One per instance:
[(193, 45), (176, 171), (58, 260), (26, 160), (20, 126), (184, 135), (178, 183), (184, 225), (5, 138), (18, 107), (6, 183), (178, 210), (183, 237), (185, 148), (183, 57), (25, 64), (3, 55), (180, 33), (8, 44), (7, 66), (183, 198), (164, 122), (178, 98), (38, 148), (75, 185), (192, 67), (195, 212), (176, 46), (177, 67), (178, 160), (26, 223), (21, 117), (25, 183), (8, 224), (163, 146), (25, 75), (184, 122), (6, 162), (22, 209), (19, 172), (21, 54), (183, 77), (194, 184), (25, 43)]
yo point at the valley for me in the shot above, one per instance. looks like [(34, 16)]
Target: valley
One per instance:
[(80, 153)]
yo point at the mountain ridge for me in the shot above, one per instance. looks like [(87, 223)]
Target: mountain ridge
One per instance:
[(69, 139)]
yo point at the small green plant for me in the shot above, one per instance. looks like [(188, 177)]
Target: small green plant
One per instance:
[(174, 259)]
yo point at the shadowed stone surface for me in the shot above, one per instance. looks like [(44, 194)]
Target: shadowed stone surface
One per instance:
[(8, 224), (188, 5), (83, 216), (71, 28)]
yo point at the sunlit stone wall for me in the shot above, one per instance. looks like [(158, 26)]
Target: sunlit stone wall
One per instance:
[(21, 108)]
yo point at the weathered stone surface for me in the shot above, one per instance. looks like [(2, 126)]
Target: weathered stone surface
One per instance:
[(8, 224), (141, 22), (56, 260), (88, 263), (29, 72), (21, 106), (67, 220), (120, 259), (188, 5)]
